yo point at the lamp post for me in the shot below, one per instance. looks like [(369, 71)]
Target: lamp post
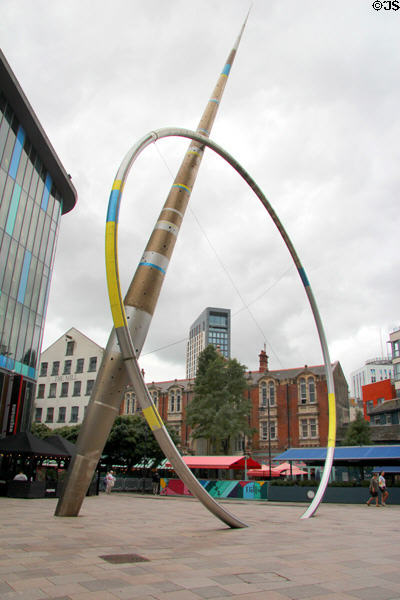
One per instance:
[(269, 436)]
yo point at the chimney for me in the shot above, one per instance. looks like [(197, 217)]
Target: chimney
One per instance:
[(263, 361)]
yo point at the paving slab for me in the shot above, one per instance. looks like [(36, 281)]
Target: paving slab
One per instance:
[(345, 552)]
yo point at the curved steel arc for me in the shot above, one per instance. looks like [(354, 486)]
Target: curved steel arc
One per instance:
[(127, 347)]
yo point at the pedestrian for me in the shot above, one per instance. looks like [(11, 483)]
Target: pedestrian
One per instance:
[(383, 488), (156, 482), (110, 481), (373, 490), (21, 477)]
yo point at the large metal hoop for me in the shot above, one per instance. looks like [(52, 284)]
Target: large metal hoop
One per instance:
[(127, 346)]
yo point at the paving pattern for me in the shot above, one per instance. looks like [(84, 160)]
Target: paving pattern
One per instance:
[(346, 552)]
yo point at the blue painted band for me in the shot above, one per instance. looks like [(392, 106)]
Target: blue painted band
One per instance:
[(16, 155), (12, 213), (204, 131), (147, 264), (46, 192), (226, 69), (183, 187), (214, 100), (303, 276), (112, 206), (24, 276)]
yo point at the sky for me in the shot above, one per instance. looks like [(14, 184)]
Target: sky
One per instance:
[(310, 110)]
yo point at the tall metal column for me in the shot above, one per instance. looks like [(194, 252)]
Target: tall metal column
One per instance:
[(140, 303)]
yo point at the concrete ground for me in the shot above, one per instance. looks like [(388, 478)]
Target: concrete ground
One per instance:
[(346, 552)]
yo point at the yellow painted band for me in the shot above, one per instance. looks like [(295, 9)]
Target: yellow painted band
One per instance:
[(117, 184), (112, 275), (332, 421), (194, 152), (153, 418)]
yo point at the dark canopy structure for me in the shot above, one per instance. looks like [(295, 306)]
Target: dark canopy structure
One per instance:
[(28, 444)]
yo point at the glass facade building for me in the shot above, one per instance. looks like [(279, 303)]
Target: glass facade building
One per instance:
[(213, 326), (35, 191)]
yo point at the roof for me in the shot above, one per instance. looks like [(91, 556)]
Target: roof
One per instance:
[(27, 443), (34, 130), (388, 405), (343, 454), (218, 462)]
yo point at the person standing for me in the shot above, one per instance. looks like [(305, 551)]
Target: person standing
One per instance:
[(110, 481), (21, 477), (383, 488), (373, 490)]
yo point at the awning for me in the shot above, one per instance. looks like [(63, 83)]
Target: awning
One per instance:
[(263, 472), (344, 454), (218, 462)]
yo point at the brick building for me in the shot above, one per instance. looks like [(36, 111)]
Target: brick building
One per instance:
[(289, 408)]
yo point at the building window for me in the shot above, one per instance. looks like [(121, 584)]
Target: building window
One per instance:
[(74, 414), (40, 393), (67, 367), (308, 428), (396, 348), (92, 363), (313, 428), (272, 430), (64, 389), (154, 395), (38, 415), (50, 415), (43, 369), (267, 394), (70, 348), (89, 387), (369, 405), (172, 401), (53, 390), (178, 400), (61, 414), (55, 368), (77, 388), (263, 431), (79, 365), (307, 391), (373, 375), (303, 428)]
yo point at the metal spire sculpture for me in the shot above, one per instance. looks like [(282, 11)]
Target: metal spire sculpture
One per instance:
[(140, 303)]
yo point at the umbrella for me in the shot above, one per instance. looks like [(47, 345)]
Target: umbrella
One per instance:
[(263, 472), (287, 469), (27, 443)]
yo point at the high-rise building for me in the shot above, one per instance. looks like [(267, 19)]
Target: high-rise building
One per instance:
[(375, 369), (395, 344), (213, 326), (35, 191)]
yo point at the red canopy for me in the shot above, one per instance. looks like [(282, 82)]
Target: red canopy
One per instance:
[(263, 472), (287, 469), (218, 462)]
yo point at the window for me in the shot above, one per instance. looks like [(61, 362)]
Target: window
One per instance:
[(61, 414), (313, 428), (89, 387), (178, 400), (263, 431), (396, 348), (373, 375), (307, 391), (369, 406), (267, 394), (55, 368), (308, 428), (74, 414), (303, 391), (64, 389), (43, 369), (263, 394), (77, 388), (38, 415), (53, 390), (79, 365), (70, 348), (172, 401), (303, 428), (40, 393), (272, 430), (271, 390), (92, 363), (67, 367), (154, 395), (50, 415)]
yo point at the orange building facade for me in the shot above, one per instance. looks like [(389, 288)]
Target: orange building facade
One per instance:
[(376, 393)]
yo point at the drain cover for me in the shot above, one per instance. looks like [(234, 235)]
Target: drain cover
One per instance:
[(118, 559)]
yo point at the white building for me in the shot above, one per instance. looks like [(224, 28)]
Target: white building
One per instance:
[(375, 369), (213, 326), (395, 343), (67, 372)]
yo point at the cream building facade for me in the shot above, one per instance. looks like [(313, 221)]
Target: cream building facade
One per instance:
[(67, 373)]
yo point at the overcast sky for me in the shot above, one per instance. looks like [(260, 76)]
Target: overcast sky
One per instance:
[(311, 110)]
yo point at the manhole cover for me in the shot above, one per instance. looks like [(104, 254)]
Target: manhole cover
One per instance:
[(124, 558)]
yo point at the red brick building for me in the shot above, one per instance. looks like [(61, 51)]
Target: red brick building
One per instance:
[(289, 408), (376, 393)]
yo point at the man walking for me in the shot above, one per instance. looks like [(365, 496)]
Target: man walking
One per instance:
[(373, 489)]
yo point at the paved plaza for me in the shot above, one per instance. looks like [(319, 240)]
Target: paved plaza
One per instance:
[(346, 552)]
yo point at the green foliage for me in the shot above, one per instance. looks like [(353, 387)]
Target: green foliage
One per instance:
[(219, 411), (358, 432), (131, 441), (68, 432), (41, 430)]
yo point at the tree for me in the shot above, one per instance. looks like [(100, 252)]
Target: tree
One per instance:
[(219, 411), (68, 432), (41, 430), (131, 440), (358, 432)]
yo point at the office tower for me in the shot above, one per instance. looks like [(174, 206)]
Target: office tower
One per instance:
[(213, 326), (35, 191)]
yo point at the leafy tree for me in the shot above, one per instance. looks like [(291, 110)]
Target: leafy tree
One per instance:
[(69, 432), (131, 441), (41, 430), (358, 432), (219, 411)]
